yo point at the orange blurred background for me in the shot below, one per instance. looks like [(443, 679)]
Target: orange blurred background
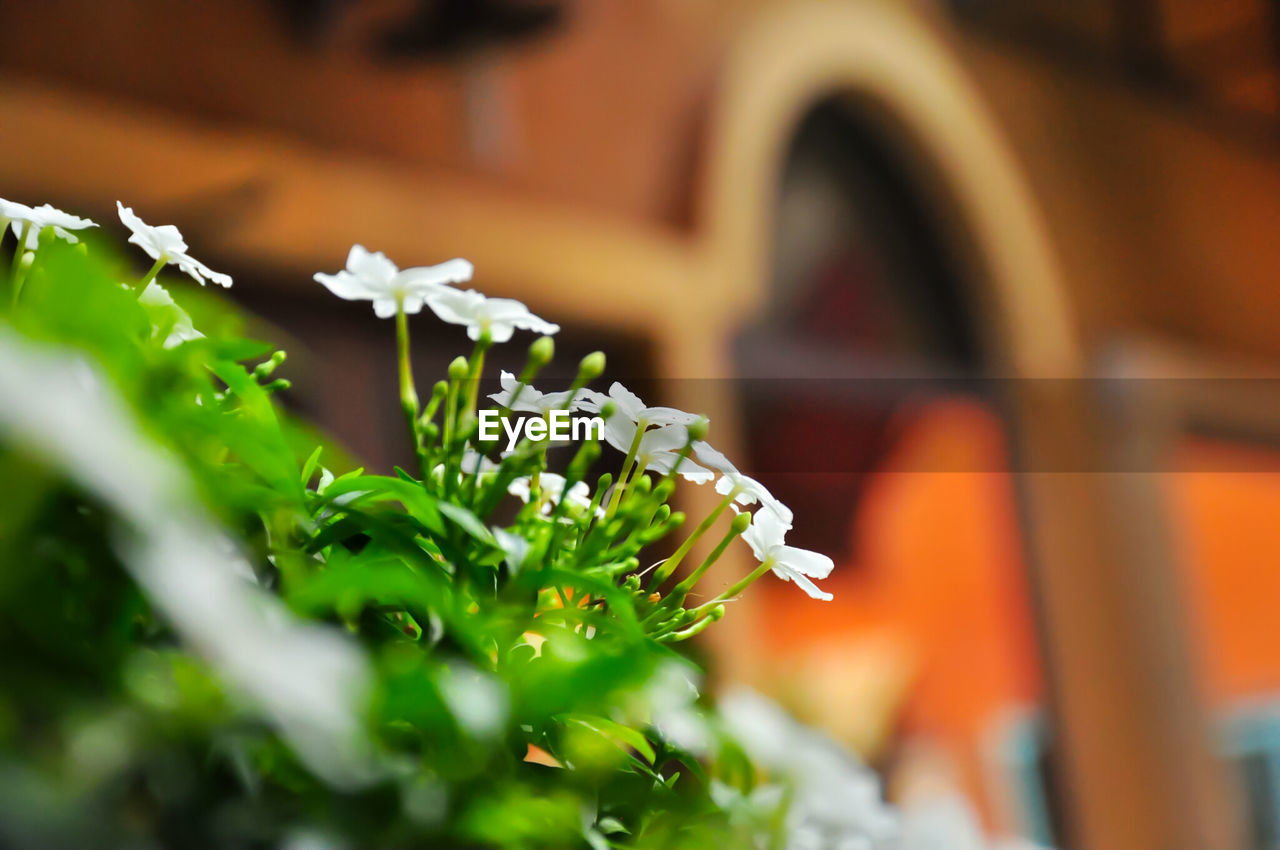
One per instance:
[(985, 289)]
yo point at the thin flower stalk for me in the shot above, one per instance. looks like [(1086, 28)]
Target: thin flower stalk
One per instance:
[(680, 591), (145, 281), (669, 566), (627, 465), (16, 278)]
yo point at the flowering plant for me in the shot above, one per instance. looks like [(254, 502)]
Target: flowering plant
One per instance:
[(216, 637)]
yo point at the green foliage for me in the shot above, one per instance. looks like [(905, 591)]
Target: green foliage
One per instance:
[(514, 655)]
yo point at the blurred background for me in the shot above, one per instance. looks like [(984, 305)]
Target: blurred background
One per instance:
[(987, 290)]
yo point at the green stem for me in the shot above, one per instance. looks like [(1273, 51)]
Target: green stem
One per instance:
[(736, 589), (142, 285), (681, 590), (669, 566), (476, 368), (691, 631), (408, 392), (15, 281), (626, 471)]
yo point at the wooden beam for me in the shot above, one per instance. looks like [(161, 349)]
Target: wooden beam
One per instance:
[(258, 199)]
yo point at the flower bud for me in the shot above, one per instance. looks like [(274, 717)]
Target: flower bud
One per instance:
[(458, 368), (541, 352), (642, 485), (664, 489), (264, 369), (716, 613), (591, 367), (698, 429), (740, 522)]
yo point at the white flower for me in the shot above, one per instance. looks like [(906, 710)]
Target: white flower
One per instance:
[(10, 210), (372, 277), (745, 489), (498, 316), (167, 315), (165, 243), (472, 463), (19, 215), (659, 448), (527, 399), (629, 405), (659, 451), (766, 537), (552, 490)]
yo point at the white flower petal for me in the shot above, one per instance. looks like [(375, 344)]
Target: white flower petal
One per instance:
[(343, 284), (498, 331), (805, 562), (449, 272), (500, 317), (627, 402), (663, 462), (20, 217), (709, 456), (371, 267), (801, 581), (200, 272)]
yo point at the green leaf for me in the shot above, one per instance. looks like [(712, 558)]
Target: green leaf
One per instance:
[(309, 468), (467, 521), (420, 504), (623, 736), (611, 826)]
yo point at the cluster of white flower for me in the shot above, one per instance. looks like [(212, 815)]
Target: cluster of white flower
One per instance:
[(551, 491), (655, 439), (163, 244), (373, 277)]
